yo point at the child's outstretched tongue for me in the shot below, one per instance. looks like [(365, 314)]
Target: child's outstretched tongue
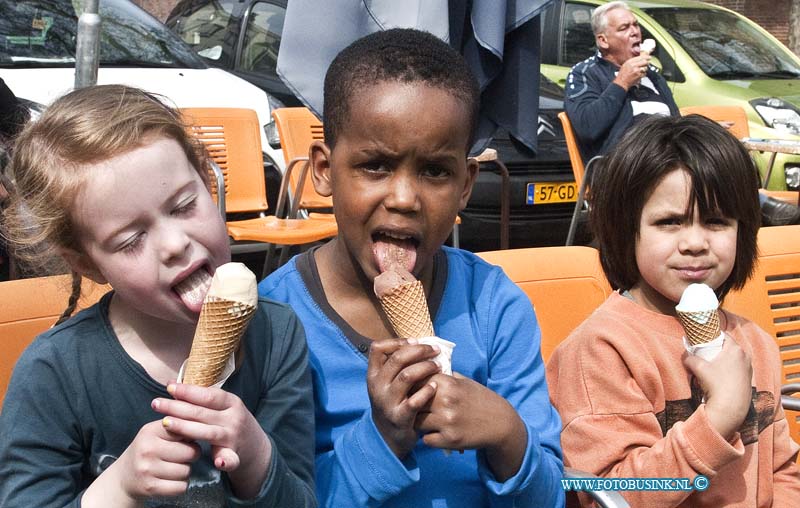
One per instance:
[(391, 254), (192, 290)]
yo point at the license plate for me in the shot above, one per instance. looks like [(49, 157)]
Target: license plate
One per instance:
[(551, 192)]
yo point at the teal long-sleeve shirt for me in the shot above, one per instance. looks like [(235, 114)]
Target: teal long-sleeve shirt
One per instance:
[(76, 400)]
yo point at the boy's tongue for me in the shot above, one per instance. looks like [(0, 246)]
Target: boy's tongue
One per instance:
[(391, 253), (192, 290)]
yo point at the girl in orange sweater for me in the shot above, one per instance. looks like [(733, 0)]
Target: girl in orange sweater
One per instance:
[(675, 203)]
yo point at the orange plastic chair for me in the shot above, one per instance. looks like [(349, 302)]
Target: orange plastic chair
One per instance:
[(231, 137), (581, 173), (732, 118), (551, 277), (297, 129), (772, 300), (564, 284), (29, 307)]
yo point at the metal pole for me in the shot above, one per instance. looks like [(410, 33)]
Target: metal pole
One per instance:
[(87, 51)]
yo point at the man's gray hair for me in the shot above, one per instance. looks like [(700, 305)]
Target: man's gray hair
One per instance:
[(599, 18)]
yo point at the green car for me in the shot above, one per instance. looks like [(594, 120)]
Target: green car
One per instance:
[(709, 55)]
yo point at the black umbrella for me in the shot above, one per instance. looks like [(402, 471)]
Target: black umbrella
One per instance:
[(499, 38)]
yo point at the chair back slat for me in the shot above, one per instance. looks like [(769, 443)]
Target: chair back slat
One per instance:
[(298, 128), (733, 118), (232, 139), (771, 298), (575, 158)]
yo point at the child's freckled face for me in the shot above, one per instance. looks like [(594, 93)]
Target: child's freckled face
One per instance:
[(147, 222), (399, 173), (673, 251)]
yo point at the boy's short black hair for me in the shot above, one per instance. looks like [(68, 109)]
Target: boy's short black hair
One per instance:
[(724, 180), (400, 54)]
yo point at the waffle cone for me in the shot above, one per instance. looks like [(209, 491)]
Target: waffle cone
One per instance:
[(407, 310), (701, 326), (221, 325)]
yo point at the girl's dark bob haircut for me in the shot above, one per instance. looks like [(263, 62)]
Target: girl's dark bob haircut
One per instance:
[(724, 180)]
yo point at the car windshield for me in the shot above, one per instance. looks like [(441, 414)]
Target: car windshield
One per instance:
[(724, 45), (42, 33)]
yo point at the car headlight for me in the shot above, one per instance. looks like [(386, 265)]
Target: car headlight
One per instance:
[(792, 177), (271, 129), (778, 114)]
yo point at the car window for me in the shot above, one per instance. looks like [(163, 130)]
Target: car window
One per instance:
[(262, 38), (578, 39), (43, 33), (724, 45), (204, 26)]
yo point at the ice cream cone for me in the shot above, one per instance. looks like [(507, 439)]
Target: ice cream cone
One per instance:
[(407, 310), (700, 327), (221, 325)]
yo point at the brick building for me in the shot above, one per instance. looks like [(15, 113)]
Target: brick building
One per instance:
[(772, 15), (158, 8)]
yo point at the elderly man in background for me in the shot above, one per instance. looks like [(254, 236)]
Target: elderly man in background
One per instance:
[(609, 92)]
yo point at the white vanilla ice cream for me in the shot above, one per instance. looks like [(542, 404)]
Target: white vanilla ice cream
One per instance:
[(647, 46), (697, 298), (235, 282)]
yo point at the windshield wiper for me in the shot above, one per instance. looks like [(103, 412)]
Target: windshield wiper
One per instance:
[(778, 74), (36, 63), (734, 75), (133, 62), (781, 73)]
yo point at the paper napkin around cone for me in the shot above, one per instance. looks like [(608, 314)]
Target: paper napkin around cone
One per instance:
[(445, 357)]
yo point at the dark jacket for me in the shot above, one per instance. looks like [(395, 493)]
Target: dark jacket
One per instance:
[(600, 111)]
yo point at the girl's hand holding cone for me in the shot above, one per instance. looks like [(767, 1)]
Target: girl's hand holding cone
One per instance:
[(239, 445), (726, 383), (156, 463)]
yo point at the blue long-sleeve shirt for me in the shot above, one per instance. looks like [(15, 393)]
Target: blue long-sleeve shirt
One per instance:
[(600, 110), (474, 305)]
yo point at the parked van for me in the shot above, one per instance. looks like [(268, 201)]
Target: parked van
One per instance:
[(37, 62), (708, 55)]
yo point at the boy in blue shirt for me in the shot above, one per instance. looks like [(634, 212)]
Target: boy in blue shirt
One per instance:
[(400, 110)]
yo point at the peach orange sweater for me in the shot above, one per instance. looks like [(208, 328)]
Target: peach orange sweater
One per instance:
[(628, 410)]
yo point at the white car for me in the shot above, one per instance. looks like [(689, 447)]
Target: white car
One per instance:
[(37, 61)]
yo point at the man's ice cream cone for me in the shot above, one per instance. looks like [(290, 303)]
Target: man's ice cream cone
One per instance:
[(227, 309)]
